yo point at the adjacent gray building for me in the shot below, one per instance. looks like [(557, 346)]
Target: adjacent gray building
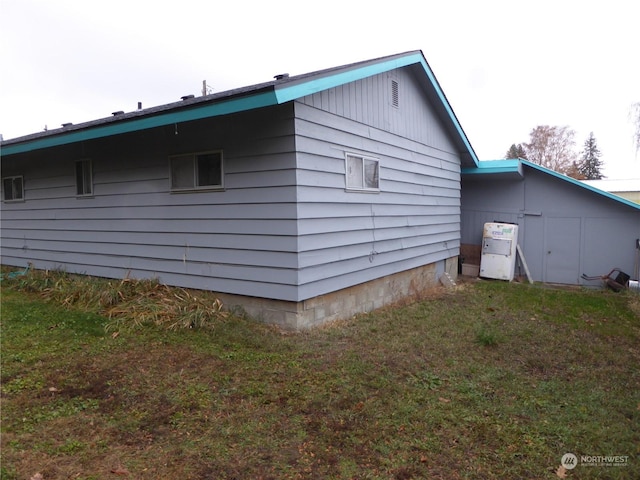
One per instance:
[(566, 227), (303, 199)]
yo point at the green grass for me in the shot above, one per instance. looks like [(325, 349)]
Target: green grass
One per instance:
[(491, 380)]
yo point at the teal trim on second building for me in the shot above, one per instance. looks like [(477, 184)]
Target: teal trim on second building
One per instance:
[(494, 167), (582, 184), (514, 166)]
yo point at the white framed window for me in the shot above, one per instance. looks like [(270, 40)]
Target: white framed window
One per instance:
[(193, 171), (363, 173), (84, 178), (13, 188)]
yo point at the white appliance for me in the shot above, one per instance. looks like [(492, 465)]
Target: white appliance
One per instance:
[(499, 243)]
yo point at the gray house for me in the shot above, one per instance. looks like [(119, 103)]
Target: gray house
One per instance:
[(566, 227), (304, 199)]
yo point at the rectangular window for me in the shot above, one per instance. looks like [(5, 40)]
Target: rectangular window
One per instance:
[(363, 173), (12, 189), (196, 171), (84, 178)]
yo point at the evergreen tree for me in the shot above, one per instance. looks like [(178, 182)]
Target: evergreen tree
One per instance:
[(516, 151), (590, 165)]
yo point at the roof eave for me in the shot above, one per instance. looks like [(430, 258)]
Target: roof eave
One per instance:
[(508, 169), (116, 126), (249, 98)]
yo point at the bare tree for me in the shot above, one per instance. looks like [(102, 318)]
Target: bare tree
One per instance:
[(634, 115), (552, 147), (574, 172)]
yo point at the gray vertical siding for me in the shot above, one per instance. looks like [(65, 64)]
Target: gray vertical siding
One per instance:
[(240, 240), (565, 230), (346, 237)]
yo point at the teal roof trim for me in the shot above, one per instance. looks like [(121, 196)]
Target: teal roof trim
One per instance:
[(279, 93), (208, 110), (292, 92), (515, 165), (449, 110), (495, 166)]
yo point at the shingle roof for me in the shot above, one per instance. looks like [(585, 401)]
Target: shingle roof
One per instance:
[(275, 92)]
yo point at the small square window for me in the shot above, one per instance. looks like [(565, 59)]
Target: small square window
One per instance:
[(84, 178), (196, 171), (12, 189), (363, 173)]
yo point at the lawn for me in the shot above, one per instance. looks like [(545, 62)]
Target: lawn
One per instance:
[(488, 380)]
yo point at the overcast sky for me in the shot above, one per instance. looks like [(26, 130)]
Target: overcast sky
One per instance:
[(505, 66)]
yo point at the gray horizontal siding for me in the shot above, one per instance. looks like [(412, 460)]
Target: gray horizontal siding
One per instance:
[(161, 226), (310, 195), (201, 278), (258, 241), (332, 209), (384, 251), (360, 263), (384, 141), (130, 196), (283, 227), (179, 213), (240, 240), (347, 237), (404, 235), (162, 266), (182, 253), (321, 226)]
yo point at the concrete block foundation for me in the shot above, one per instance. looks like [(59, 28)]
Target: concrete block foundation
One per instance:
[(345, 303)]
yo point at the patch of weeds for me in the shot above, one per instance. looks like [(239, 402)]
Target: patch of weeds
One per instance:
[(488, 335), (59, 408), (348, 468), (191, 397), (426, 380), (127, 303), (22, 383), (8, 473), (72, 446)]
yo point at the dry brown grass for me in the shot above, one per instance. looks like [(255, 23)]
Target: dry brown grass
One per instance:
[(127, 303)]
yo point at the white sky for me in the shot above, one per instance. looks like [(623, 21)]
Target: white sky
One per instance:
[(505, 66)]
